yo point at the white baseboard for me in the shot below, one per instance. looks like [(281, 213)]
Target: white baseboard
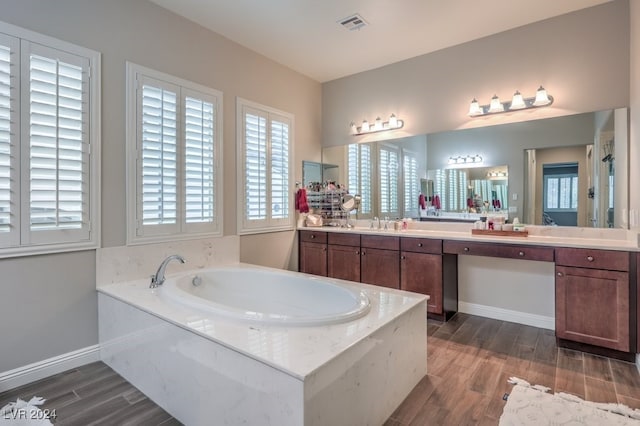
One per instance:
[(48, 367), (507, 315)]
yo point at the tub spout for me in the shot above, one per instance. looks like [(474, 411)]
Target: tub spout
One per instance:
[(158, 278)]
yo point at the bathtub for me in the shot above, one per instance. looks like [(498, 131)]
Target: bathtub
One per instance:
[(268, 297), (243, 344)]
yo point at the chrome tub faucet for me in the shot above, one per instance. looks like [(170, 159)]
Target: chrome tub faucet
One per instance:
[(158, 278)]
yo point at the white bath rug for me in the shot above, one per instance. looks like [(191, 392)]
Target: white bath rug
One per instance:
[(21, 413), (532, 405)]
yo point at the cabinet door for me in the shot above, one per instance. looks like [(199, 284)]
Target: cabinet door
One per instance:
[(592, 306), (380, 267), (343, 262), (422, 273), (313, 258)]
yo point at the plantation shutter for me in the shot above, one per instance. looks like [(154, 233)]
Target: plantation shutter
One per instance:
[(359, 175), (265, 168), (9, 137), (158, 157), (411, 190), (389, 175), (279, 168), (200, 162), (255, 167), (55, 104)]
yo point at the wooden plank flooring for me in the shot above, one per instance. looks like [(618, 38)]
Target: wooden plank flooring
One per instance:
[(469, 361)]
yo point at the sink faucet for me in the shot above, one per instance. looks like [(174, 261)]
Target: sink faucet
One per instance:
[(158, 278), (375, 219)]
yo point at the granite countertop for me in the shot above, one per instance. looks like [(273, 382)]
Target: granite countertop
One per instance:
[(550, 236)]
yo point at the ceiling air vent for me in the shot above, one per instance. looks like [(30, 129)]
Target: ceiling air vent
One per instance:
[(353, 22)]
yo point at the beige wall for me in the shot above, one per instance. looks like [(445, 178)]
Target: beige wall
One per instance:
[(582, 59), (57, 295), (634, 141)]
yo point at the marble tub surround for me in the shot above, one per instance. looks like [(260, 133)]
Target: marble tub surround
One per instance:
[(355, 372), (555, 236), (127, 263)]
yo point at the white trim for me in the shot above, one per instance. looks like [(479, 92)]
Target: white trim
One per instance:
[(507, 315), (48, 367), (134, 74), (269, 224)]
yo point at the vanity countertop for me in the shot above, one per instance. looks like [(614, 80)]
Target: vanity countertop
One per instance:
[(595, 238)]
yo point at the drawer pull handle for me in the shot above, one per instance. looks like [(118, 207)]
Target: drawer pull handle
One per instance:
[(466, 249), (363, 253), (559, 274), (402, 257), (324, 249), (590, 258), (312, 236), (419, 244), (357, 251), (521, 253)]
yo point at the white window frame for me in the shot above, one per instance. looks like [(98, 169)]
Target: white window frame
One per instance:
[(136, 232), (410, 198), (21, 240), (246, 227)]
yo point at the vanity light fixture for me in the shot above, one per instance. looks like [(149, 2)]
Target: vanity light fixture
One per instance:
[(518, 102), (469, 159), (377, 126)]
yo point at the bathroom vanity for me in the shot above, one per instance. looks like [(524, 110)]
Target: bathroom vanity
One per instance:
[(595, 288)]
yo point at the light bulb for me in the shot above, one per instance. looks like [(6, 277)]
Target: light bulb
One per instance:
[(474, 108), (393, 121), (354, 129), (478, 159), (496, 105), (517, 102), (542, 98), (365, 126), (378, 124)]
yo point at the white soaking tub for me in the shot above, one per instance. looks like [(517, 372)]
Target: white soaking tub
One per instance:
[(268, 297), (254, 345)]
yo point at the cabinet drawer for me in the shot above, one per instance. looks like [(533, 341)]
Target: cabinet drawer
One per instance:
[(344, 239), (544, 254), (421, 245), (594, 259), (376, 241), (313, 236)]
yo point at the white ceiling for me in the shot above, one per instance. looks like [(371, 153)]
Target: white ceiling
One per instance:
[(305, 35)]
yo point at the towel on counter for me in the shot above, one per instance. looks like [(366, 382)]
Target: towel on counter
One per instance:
[(422, 202), (469, 202), (301, 201), (436, 202)]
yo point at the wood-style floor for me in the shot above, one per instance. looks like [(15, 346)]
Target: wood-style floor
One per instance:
[(469, 361)]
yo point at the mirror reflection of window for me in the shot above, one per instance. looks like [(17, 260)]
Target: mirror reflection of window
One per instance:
[(360, 175)]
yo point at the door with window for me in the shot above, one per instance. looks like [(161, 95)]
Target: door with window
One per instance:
[(560, 194)]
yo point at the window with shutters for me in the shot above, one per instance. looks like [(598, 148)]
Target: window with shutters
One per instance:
[(265, 156), (49, 144), (389, 169), (411, 184), (360, 176), (174, 169)]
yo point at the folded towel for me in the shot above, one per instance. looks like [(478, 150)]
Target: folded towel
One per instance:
[(422, 202)]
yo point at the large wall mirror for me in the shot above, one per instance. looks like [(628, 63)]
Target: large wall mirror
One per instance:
[(565, 171)]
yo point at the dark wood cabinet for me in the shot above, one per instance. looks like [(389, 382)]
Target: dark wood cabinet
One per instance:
[(312, 254), (425, 269), (593, 298), (422, 273), (507, 251), (380, 260), (343, 262), (380, 267)]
